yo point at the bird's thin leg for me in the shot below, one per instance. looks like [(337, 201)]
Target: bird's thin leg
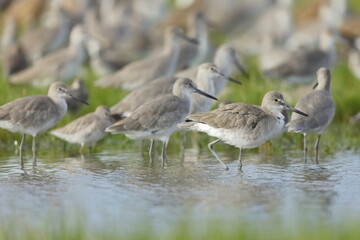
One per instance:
[(163, 153), (240, 159), (183, 139), (91, 148), (21, 148), (81, 150), (142, 146), (34, 150), (305, 148), (151, 150), (317, 149), (210, 146)]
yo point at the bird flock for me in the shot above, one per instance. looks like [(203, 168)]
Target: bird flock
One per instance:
[(168, 61)]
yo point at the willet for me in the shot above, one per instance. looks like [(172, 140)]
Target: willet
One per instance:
[(86, 130), (60, 65), (54, 36), (225, 57), (208, 73), (320, 106), (279, 14), (34, 114), (157, 119), (37, 42), (315, 19), (102, 60), (159, 64), (191, 54), (242, 125), (14, 60), (301, 65), (78, 90)]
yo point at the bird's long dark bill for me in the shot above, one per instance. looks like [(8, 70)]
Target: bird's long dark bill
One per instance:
[(211, 24), (204, 94), (233, 80), (241, 68), (191, 40), (296, 111), (79, 100), (315, 85), (229, 78)]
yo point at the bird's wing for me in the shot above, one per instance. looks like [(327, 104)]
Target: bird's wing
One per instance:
[(235, 115), (160, 113), (144, 94), (37, 108), (143, 70), (45, 67), (319, 106), (78, 124)]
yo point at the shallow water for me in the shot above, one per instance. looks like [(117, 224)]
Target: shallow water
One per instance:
[(114, 186)]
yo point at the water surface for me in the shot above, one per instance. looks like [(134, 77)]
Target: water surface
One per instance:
[(114, 186)]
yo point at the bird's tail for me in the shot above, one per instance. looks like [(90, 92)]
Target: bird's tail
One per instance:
[(188, 124), (115, 128), (295, 126)]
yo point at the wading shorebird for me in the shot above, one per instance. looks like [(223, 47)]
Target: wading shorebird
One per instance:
[(242, 125), (86, 130), (157, 119), (320, 106), (60, 65), (35, 114), (159, 64)]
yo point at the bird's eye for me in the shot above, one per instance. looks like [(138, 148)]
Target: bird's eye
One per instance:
[(276, 100)]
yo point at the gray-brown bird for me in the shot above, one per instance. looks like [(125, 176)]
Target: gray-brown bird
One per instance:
[(320, 106), (242, 125), (157, 119), (35, 114)]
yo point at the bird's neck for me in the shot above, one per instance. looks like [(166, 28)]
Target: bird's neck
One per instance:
[(324, 85), (223, 62), (184, 95), (172, 49), (274, 112), (78, 49), (205, 83), (61, 104)]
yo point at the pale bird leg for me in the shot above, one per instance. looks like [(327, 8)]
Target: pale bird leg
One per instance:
[(305, 148), (210, 146), (163, 153)]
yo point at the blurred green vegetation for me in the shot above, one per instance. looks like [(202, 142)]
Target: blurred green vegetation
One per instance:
[(210, 230), (345, 91), (340, 135)]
